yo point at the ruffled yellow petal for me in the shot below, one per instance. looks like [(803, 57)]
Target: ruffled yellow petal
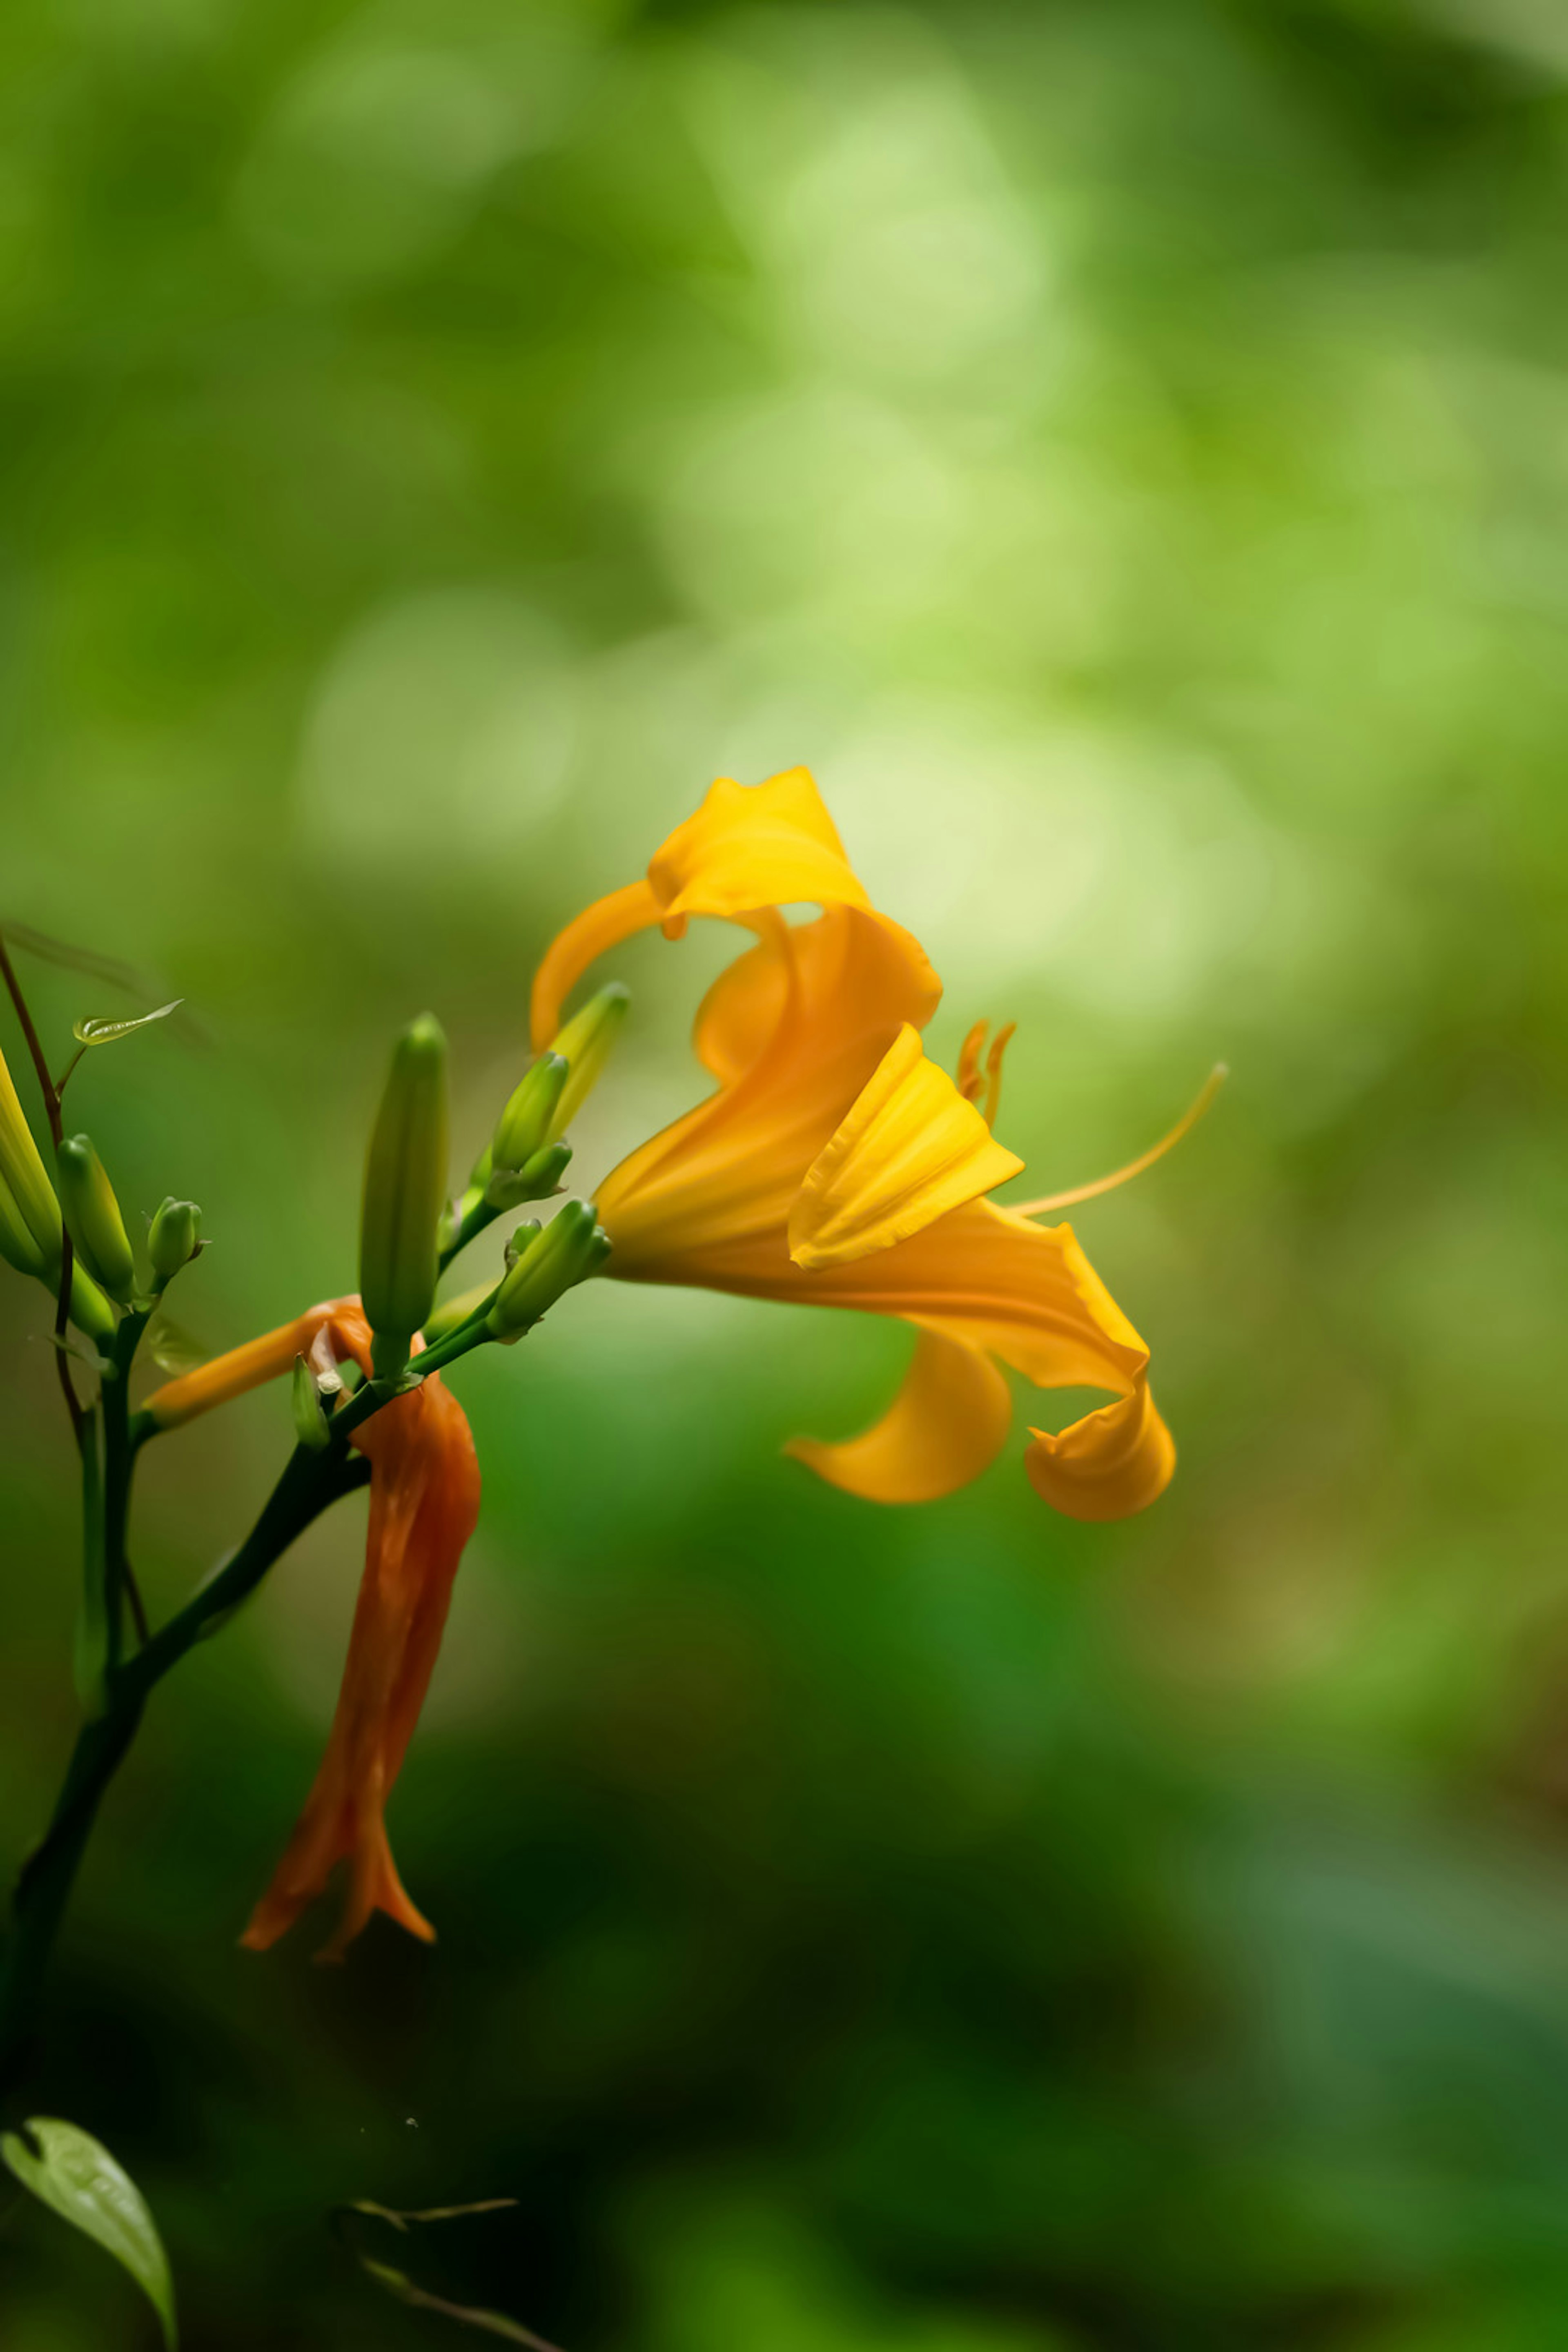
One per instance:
[(911, 1150), (752, 846), (1108, 1466), (749, 846), (947, 1424)]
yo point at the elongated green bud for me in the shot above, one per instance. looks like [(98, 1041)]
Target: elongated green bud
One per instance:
[(25, 1178), (525, 1124), (571, 1246), (93, 1218), (404, 1194), (31, 1233), (17, 1246), (90, 1309), (586, 1043), (174, 1238)]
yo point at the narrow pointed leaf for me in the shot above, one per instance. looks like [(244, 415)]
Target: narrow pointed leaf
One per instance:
[(108, 1032), (79, 1350), (68, 2170), (398, 2283)]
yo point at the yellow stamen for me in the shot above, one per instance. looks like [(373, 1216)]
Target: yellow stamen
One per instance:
[(969, 1052), (999, 1045), (1184, 1125)]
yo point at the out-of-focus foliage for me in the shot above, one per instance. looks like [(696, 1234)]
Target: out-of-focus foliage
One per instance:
[(1124, 451)]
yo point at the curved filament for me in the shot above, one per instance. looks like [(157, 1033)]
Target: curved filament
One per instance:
[(1185, 1126)]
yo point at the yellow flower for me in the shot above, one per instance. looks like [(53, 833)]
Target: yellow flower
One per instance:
[(834, 1165)]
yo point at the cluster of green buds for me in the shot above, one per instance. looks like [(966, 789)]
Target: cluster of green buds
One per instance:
[(34, 1217), (543, 1262), (410, 1231), (525, 1159)]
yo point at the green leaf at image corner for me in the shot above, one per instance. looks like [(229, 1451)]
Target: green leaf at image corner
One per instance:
[(68, 2170)]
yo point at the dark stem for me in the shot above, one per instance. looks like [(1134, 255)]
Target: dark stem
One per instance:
[(48, 1877), (62, 1318), (310, 1482), (51, 1098), (119, 1461), (309, 1485)]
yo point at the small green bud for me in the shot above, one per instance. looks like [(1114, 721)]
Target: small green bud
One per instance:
[(586, 1042), (536, 1180), (525, 1123), (404, 1194), (522, 1240), (174, 1238), (569, 1249), (93, 1220), (311, 1425)]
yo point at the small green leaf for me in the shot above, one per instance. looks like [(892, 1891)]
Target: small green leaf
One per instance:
[(106, 1033), (172, 1347), (80, 1351), (68, 2170)]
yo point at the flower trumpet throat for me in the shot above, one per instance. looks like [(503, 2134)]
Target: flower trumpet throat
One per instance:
[(404, 1194), (835, 1164)]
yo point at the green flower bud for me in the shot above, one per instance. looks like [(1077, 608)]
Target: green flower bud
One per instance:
[(586, 1043), (174, 1238), (404, 1194), (571, 1246), (310, 1426), (522, 1240), (93, 1220), (25, 1181), (536, 1180), (17, 1246), (90, 1310), (526, 1122)]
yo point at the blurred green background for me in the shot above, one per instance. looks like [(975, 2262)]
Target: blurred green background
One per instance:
[(1123, 449)]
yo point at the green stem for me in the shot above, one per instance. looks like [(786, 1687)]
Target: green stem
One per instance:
[(309, 1485), (48, 1877), (476, 1216), (119, 1461), (310, 1482)]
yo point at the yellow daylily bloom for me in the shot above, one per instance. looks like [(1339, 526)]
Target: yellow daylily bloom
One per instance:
[(834, 1165)]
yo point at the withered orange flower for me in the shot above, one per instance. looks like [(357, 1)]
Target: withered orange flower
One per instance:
[(424, 1503), (834, 1165)]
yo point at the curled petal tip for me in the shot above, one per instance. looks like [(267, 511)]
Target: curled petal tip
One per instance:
[(1110, 1465)]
